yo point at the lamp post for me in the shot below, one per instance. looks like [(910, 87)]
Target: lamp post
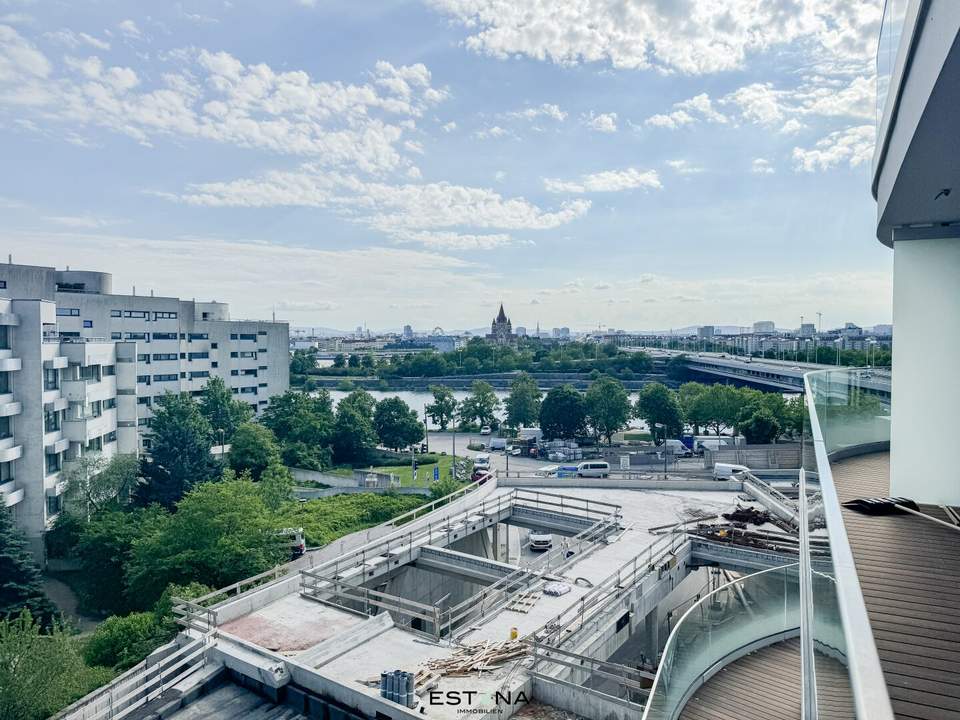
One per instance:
[(222, 448), (664, 450), (839, 342)]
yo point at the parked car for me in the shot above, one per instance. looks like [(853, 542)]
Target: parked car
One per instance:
[(540, 540), (727, 471), (515, 450), (481, 461), (481, 476), (485, 430), (593, 469)]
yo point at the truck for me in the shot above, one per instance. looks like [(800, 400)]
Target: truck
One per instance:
[(498, 443), (677, 448)]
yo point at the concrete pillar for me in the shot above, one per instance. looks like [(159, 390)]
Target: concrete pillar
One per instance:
[(651, 636), (926, 355)]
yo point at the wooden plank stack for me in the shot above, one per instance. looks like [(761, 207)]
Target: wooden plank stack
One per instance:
[(477, 658)]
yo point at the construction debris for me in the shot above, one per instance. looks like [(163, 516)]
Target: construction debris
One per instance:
[(523, 602), (748, 515), (477, 658), (556, 589)]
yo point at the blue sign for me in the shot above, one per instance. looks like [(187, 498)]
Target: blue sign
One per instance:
[(436, 473)]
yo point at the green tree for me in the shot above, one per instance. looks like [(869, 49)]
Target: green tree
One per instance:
[(718, 406), (562, 413), (302, 362), (481, 405), (523, 403), (222, 410), (276, 486), (397, 425), (659, 404), (694, 411), (339, 361), (761, 427), (640, 362), (677, 367), (367, 361), (122, 641), (221, 533), (103, 550), (94, 483), (607, 407), (353, 434), (297, 417), (41, 671), (363, 401), (444, 406), (21, 587), (180, 456), (794, 415), (353, 361), (253, 448)]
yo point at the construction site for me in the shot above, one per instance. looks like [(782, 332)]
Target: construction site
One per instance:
[(451, 610)]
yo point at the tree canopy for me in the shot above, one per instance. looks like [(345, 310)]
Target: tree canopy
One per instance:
[(253, 448), (607, 407), (562, 413), (222, 410), (397, 425), (523, 403), (657, 404), (444, 406), (480, 406), (21, 586)]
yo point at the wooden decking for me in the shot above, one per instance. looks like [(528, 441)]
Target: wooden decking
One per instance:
[(909, 570), (765, 685)]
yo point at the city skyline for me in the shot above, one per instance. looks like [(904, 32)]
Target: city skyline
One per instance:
[(629, 176)]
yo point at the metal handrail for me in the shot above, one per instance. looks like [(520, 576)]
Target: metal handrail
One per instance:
[(870, 695), (676, 628)]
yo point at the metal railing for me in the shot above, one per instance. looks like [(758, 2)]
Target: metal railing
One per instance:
[(736, 618), (843, 417)]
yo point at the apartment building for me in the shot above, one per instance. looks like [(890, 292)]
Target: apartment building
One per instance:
[(81, 369)]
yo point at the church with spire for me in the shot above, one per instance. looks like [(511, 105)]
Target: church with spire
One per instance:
[(501, 330)]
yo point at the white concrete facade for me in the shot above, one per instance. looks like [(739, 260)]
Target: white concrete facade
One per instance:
[(80, 369), (924, 391)]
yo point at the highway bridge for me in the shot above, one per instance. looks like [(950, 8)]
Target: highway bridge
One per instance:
[(767, 374)]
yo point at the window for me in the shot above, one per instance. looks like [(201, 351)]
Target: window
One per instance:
[(68, 312), (164, 356), (95, 409), (214, 346), (116, 313), (109, 370), (249, 371), (116, 336), (51, 420), (183, 373), (235, 391), (199, 356), (164, 316), (91, 373), (144, 358), (252, 390), (183, 356), (233, 336), (53, 505), (146, 443), (142, 314), (261, 332), (111, 436), (109, 403), (214, 364), (4, 382), (248, 336), (95, 443), (261, 350), (145, 400), (199, 374), (234, 372), (262, 385), (5, 430), (136, 336), (3, 284), (261, 367), (88, 323), (167, 377), (53, 463), (143, 422), (51, 379), (197, 336), (164, 336), (247, 354), (145, 379), (234, 354)]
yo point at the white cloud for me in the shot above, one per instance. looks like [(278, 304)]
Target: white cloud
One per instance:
[(604, 122), (490, 133), (696, 109), (606, 181), (130, 29), (449, 127), (453, 240), (791, 127), (216, 97), (761, 166), (72, 39), (687, 36), (19, 59), (602, 286), (400, 211), (86, 222), (684, 167), (546, 110), (852, 146), (307, 306), (500, 176)]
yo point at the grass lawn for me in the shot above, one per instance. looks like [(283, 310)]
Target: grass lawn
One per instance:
[(424, 472)]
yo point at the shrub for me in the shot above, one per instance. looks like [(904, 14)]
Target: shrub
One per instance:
[(122, 641)]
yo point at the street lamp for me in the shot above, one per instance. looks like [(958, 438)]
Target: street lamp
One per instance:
[(222, 448), (663, 427), (839, 342)]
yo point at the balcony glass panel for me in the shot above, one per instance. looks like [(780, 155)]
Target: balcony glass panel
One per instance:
[(845, 414), (891, 31), (745, 614)]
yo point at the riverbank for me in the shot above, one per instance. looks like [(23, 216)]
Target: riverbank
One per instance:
[(499, 381)]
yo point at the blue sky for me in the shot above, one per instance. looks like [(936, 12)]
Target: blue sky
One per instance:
[(640, 164)]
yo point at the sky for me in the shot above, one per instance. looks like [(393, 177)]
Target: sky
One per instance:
[(628, 164)]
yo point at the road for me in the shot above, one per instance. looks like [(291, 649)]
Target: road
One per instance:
[(443, 442)]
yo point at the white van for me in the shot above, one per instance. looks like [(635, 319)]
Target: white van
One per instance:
[(481, 461), (726, 471), (593, 469), (677, 448)]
